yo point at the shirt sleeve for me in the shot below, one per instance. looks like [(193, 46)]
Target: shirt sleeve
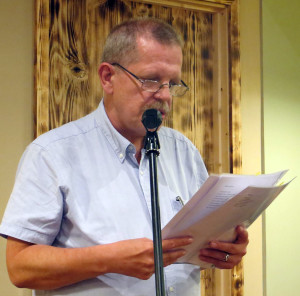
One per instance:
[(35, 208)]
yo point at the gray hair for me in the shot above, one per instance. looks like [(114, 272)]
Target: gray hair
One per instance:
[(121, 46)]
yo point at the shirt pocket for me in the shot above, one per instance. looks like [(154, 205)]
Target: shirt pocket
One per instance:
[(177, 203), (170, 204)]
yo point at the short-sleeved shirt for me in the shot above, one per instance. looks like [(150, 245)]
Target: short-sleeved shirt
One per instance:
[(80, 185)]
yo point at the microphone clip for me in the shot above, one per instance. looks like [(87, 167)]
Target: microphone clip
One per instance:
[(152, 143)]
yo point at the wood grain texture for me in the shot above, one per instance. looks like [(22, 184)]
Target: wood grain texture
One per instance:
[(208, 283), (196, 5), (237, 288), (77, 31), (235, 89), (221, 93), (41, 67)]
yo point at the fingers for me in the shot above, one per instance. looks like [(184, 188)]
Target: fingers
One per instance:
[(174, 243), (135, 257), (239, 246), (171, 257), (172, 249), (242, 235), (226, 255), (219, 259)]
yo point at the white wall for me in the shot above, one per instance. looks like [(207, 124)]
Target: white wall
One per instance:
[(16, 93), (281, 68)]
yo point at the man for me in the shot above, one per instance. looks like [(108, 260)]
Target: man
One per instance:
[(79, 218)]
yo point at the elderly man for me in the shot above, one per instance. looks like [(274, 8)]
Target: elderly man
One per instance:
[(79, 218)]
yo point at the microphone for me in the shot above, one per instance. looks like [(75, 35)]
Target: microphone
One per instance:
[(151, 119)]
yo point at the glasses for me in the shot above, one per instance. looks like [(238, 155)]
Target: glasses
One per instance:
[(176, 90)]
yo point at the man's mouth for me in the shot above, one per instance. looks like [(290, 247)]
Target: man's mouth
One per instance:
[(162, 107), (163, 113)]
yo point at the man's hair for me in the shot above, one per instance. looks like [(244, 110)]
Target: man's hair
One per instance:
[(121, 43)]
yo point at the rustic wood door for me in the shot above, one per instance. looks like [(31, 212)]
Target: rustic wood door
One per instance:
[(69, 38)]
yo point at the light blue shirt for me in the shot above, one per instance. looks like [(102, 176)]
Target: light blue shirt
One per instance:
[(80, 185)]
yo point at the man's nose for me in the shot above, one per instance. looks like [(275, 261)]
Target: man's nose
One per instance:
[(164, 93)]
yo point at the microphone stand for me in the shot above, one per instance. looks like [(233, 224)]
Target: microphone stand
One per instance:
[(152, 151)]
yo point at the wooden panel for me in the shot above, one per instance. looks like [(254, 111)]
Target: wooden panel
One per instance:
[(41, 67), (75, 48), (221, 93), (237, 284), (208, 283), (235, 89), (203, 6)]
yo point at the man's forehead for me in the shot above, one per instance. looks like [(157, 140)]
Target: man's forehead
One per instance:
[(152, 50), (145, 42)]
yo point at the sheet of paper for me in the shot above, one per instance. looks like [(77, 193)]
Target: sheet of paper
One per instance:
[(222, 203)]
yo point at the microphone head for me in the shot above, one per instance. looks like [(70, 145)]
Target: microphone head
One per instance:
[(151, 119)]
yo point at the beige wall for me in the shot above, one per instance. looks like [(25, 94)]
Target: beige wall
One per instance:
[(251, 131), (281, 68), (16, 123), (16, 91)]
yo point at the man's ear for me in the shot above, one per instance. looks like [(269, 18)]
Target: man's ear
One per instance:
[(106, 72)]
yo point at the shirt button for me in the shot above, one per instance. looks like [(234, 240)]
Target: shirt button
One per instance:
[(142, 173), (121, 155), (171, 289)]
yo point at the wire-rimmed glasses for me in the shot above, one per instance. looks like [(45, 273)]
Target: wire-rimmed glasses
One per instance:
[(176, 90)]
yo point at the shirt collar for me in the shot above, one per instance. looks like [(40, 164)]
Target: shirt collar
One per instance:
[(119, 144)]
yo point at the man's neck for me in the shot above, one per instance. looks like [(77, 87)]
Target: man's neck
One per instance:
[(133, 136), (139, 145)]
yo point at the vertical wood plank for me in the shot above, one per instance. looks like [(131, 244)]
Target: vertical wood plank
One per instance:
[(70, 95), (235, 89), (237, 288), (182, 118), (41, 67), (204, 125), (221, 93), (207, 278)]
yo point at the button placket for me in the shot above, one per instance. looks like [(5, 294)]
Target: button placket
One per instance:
[(145, 182)]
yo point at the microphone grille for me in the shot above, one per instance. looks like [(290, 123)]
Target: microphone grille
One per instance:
[(152, 119)]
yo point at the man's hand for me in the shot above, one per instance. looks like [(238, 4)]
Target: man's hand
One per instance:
[(45, 267), (136, 256), (226, 255)]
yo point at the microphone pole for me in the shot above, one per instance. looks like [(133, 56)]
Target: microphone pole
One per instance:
[(151, 120)]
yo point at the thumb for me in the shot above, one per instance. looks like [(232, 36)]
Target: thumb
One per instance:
[(242, 235)]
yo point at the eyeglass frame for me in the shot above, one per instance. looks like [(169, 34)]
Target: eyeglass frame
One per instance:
[(142, 81)]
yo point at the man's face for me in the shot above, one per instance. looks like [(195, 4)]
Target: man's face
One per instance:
[(128, 101)]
